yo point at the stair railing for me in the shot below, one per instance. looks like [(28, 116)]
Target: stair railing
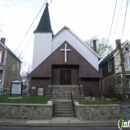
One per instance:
[(53, 103), (73, 104), (51, 85), (79, 86)]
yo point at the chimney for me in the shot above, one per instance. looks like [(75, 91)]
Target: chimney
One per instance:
[(3, 40), (95, 46), (118, 42)]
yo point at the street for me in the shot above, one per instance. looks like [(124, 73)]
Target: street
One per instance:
[(58, 128)]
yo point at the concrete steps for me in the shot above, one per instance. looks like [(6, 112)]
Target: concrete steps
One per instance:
[(64, 92), (63, 108), (63, 103)]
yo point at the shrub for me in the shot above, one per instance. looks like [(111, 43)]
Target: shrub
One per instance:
[(110, 85), (119, 97)]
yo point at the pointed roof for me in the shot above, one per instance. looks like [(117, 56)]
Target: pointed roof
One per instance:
[(112, 54), (44, 23), (57, 58)]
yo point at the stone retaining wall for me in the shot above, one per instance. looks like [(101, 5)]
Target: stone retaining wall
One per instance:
[(125, 111), (95, 112), (26, 111)]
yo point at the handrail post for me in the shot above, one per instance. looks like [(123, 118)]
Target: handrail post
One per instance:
[(53, 103), (51, 86), (72, 99), (79, 87)]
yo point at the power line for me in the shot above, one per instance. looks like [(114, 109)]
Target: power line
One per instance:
[(30, 26), (112, 20), (25, 46), (125, 18), (117, 18), (50, 2)]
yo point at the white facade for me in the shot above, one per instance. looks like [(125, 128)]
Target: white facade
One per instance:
[(44, 45), (42, 48), (78, 44)]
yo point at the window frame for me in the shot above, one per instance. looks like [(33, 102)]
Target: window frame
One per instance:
[(109, 66), (125, 49), (127, 66)]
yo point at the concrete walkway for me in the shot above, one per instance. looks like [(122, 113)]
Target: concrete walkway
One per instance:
[(56, 121)]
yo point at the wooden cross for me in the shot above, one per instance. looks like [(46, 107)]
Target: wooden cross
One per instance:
[(65, 50)]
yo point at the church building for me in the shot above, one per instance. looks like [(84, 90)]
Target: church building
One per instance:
[(62, 59)]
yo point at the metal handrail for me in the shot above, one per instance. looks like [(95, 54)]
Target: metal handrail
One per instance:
[(51, 86), (79, 87), (72, 99), (53, 103)]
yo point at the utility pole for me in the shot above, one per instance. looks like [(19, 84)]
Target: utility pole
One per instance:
[(118, 43)]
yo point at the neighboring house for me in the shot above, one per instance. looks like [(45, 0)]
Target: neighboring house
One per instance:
[(110, 65), (9, 67), (64, 58)]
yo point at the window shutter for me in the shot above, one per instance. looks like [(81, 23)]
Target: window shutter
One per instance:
[(2, 60), (0, 56)]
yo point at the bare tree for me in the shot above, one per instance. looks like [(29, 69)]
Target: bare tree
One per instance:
[(25, 79), (103, 47)]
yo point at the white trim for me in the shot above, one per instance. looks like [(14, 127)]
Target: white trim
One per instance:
[(127, 41), (3, 45), (125, 49), (67, 36), (66, 28)]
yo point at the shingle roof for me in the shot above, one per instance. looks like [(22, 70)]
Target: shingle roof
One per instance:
[(44, 23), (10, 51), (111, 54)]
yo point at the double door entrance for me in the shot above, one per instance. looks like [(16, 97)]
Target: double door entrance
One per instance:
[(65, 76)]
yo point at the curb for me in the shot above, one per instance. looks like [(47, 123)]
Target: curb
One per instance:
[(56, 124)]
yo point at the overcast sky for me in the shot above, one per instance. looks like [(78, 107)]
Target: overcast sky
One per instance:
[(86, 18)]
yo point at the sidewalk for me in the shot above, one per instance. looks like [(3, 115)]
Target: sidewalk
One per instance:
[(56, 121)]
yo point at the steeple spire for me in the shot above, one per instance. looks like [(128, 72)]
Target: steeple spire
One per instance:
[(44, 24)]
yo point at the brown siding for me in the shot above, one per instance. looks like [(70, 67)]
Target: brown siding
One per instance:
[(73, 58), (105, 71), (39, 83), (51, 66), (10, 73), (94, 83), (74, 74)]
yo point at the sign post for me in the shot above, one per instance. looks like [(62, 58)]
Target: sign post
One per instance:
[(16, 87)]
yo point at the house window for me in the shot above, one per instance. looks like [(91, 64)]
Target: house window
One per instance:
[(18, 65), (127, 62), (109, 66), (13, 67), (0, 56), (40, 92), (126, 49)]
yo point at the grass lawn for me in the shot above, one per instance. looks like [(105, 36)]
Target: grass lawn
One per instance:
[(101, 101), (26, 99)]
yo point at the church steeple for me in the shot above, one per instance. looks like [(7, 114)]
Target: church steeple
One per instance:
[(44, 24)]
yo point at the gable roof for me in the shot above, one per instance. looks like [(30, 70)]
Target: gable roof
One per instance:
[(10, 51), (44, 23), (85, 45), (86, 69), (113, 53)]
